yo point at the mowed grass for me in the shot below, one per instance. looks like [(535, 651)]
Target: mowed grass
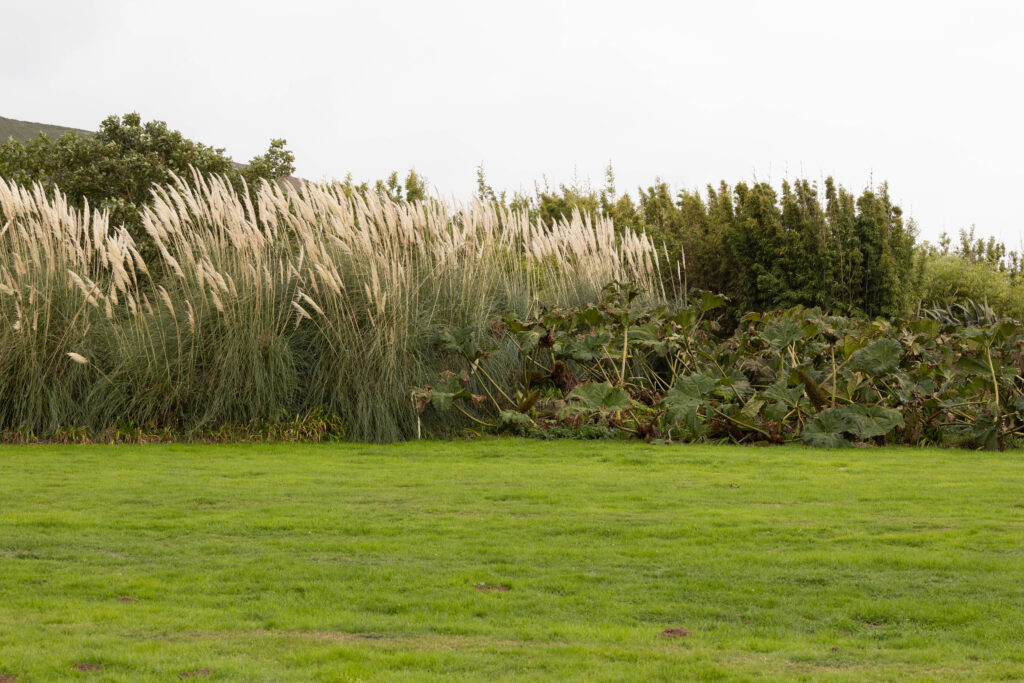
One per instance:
[(338, 562)]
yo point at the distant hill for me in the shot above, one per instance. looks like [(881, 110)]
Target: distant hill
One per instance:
[(25, 130)]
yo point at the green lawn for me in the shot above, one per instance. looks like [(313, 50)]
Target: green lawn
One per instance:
[(337, 562)]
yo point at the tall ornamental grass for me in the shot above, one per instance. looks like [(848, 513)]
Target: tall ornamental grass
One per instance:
[(66, 280), (264, 306)]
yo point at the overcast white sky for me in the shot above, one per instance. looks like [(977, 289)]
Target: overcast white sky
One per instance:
[(926, 95)]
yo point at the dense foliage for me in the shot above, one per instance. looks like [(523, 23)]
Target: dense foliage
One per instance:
[(655, 371)]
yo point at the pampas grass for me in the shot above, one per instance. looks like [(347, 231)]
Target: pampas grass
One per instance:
[(271, 304)]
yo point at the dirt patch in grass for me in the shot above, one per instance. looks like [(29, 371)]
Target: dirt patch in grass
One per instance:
[(486, 587), (872, 624), (677, 632), (198, 672), (125, 598), (8, 678), (87, 666)]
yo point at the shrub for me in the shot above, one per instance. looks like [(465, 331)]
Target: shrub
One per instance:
[(949, 279)]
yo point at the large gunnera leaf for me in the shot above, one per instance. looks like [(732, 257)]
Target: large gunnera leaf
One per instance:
[(681, 408), (695, 386), (597, 396), (877, 358), (826, 429), (870, 421)]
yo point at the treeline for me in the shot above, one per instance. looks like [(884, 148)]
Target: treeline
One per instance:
[(767, 250)]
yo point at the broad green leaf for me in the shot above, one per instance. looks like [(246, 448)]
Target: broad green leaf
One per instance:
[(616, 399), (460, 340), (695, 386), (450, 382), (877, 358), (709, 301), (852, 344), (583, 350), (925, 386), (589, 396), (974, 366), (441, 401), (646, 336), (597, 396), (752, 409), (779, 391), (776, 411), (870, 421), (681, 408), (590, 316), (528, 339), (826, 430), (734, 383), (752, 317), (781, 335), (449, 388), (809, 329), (685, 318), (986, 430), (1005, 331)]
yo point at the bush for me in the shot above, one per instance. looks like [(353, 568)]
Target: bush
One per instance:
[(948, 279)]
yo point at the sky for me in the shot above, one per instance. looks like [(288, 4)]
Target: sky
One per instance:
[(927, 95)]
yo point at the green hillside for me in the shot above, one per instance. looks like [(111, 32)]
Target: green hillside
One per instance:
[(24, 130)]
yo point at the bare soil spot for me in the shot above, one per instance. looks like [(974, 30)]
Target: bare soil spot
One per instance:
[(87, 666), (125, 598), (485, 587), (198, 672), (677, 632), (8, 678), (734, 486)]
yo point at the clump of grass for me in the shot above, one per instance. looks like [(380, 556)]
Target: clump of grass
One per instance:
[(65, 278), (275, 305)]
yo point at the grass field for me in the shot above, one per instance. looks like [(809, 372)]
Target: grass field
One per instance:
[(338, 562)]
